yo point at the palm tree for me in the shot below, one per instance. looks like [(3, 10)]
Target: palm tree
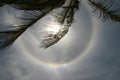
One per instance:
[(62, 10)]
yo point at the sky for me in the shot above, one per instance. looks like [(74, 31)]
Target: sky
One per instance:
[(89, 51)]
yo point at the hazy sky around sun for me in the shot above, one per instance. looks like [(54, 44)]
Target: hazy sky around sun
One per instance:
[(89, 51)]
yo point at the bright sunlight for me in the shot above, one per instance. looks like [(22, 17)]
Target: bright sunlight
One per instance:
[(54, 28)]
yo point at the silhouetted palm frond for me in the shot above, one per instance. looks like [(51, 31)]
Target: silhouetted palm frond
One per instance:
[(41, 5), (29, 18), (64, 18), (33, 4), (106, 10), (8, 37), (17, 2)]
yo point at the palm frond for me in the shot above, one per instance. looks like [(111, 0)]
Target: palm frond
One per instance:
[(41, 5), (8, 37), (32, 4), (64, 18), (106, 10), (29, 18)]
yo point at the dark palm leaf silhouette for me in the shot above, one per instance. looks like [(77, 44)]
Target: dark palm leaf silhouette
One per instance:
[(41, 5), (32, 15), (106, 9), (8, 37), (64, 16), (32, 4)]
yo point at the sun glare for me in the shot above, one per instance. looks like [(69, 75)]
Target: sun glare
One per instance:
[(54, 28)]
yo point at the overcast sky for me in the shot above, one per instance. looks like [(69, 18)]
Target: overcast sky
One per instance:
[(90, 51)]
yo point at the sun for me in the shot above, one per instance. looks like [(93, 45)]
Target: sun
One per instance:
[(54, 28)]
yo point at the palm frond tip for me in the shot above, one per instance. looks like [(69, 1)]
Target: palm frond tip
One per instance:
[(106, 10)]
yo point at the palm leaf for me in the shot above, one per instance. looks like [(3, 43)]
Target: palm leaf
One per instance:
[(41, 5), (106, 10), (64, 18), (32, 4), (30, 18), (8, 37)]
